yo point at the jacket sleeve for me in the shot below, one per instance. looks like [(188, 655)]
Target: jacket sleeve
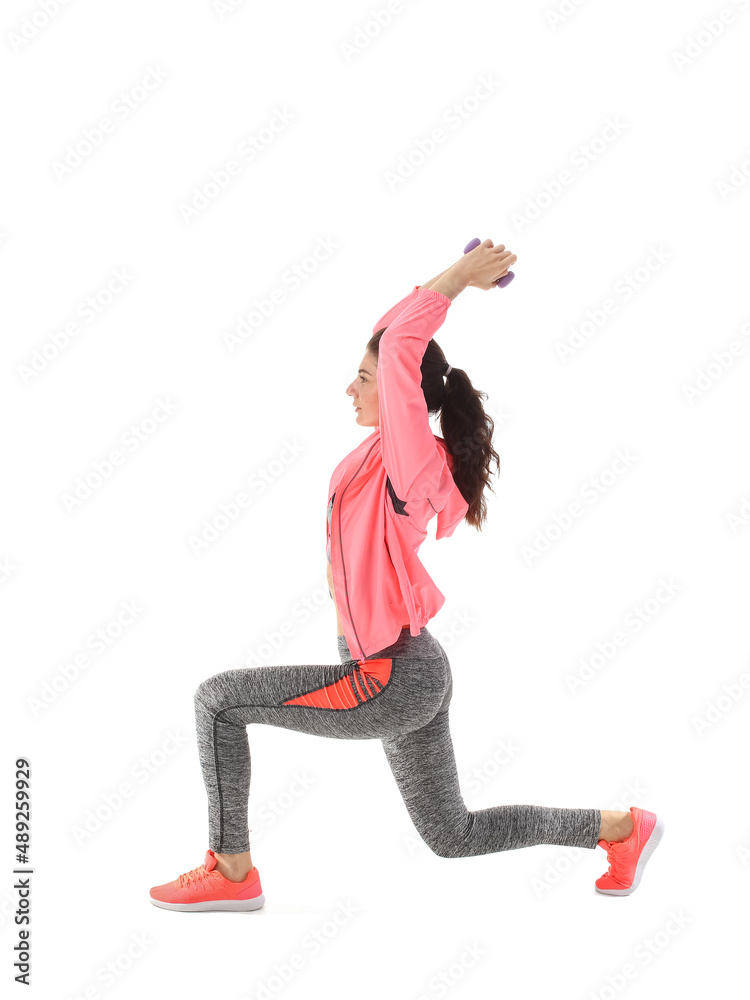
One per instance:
[(412, 457), (395, 310)]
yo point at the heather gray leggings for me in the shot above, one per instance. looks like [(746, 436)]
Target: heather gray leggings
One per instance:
[(400, 696)]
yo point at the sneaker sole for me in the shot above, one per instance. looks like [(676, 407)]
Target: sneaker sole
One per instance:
[(651, 844), (214, 904)]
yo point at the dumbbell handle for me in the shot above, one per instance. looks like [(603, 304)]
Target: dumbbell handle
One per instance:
[(501, 282)]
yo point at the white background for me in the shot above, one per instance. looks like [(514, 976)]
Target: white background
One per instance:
[(361, 99)]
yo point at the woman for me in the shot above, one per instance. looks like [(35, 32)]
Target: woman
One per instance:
[(394, 679)]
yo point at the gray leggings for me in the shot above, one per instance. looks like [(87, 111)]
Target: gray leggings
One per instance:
[(400, 696)]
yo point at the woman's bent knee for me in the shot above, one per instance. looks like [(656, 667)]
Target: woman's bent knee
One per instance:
[(443, 845), (444, 849), (207, 691)]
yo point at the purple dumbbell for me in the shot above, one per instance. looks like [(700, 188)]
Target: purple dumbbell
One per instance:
[(501, 282)]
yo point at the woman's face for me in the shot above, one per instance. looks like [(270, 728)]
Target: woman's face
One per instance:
[(364, 392)]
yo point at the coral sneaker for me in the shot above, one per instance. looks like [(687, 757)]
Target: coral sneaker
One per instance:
[(627, 858), (205, 888)]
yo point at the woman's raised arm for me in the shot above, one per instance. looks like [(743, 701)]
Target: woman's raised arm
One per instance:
[(430, 283)]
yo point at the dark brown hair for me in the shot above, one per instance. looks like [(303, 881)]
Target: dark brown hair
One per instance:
[(465, 427)]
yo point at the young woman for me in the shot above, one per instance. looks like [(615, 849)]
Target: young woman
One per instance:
[(394, 679)]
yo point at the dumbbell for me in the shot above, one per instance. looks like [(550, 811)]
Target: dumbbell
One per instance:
[(501, 282)]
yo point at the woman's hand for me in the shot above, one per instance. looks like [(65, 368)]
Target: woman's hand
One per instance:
[(483, 265)]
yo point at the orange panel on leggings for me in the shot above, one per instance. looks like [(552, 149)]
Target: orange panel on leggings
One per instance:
[(363, 682)]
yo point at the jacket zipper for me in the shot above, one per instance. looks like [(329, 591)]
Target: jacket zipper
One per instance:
[(343, 566), (329, 531)]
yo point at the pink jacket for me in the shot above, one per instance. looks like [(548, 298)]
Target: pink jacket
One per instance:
[(387, 490)]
